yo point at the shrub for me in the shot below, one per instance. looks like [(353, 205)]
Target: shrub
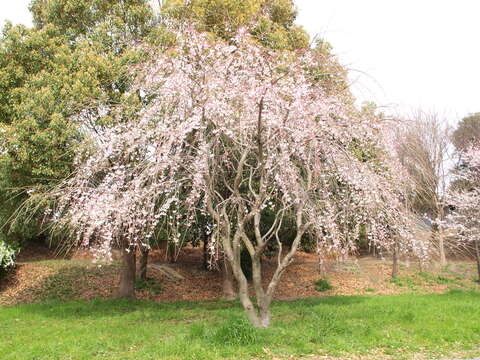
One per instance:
[(444, 280), (232, 332), (7, 257), (323, 285)]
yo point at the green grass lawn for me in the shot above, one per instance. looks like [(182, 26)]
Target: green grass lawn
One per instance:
[(112, 329)]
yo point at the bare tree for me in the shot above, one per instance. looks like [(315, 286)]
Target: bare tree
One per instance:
[(423, 146)]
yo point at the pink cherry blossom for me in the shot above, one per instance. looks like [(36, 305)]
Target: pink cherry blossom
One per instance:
[(228, 132)]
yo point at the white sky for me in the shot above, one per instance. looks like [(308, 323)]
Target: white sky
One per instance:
[(401, 53), (405, 53)]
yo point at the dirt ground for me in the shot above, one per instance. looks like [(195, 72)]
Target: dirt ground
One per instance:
[(41, 275)]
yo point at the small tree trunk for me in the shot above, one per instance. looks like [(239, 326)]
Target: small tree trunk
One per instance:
[(126, 288), (421, 265), (438, 239), (227, 284), (441, 249), (205, 251), (395, 260), (477, 255), (143, 263), (322, 269), (172, 255)]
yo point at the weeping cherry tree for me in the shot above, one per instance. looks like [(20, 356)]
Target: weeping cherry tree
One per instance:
[(229, 131)]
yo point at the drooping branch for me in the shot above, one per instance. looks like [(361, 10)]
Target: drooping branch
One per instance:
[(236, 135)]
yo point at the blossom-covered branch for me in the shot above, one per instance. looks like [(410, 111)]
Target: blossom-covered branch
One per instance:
[(229, 132)]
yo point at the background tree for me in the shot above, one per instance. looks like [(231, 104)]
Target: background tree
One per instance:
[(271, 22), (77, 54), (466, 203), (467, 132), (423, 147), (465, 136), (111, 23)]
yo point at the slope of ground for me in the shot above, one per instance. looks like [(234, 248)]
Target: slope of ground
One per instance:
[(41, 276)]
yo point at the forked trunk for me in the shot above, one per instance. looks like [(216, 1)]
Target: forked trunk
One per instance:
[(143, 263), (126, 288), (259, 315), (227, 283)]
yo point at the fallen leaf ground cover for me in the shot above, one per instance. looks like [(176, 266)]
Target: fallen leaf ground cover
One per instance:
[(41, 276)]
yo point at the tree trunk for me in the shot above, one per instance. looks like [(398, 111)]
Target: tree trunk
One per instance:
[(264, 318), (205, 251), (322, 269), (477, 255), (143, 263), (126, 288), (227, 283), (395, 260), (438, 239), (441, 250)]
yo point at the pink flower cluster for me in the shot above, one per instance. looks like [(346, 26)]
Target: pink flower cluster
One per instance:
[(230, 130), (465, 198)]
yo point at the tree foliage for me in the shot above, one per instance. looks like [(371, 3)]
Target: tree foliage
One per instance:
[(466, 203), (7, 258), (271, 22), (78, 54), (467, 133), (110, 22), (75, 63)]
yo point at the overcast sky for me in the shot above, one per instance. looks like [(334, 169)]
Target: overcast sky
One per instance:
[(401, 53), (411, 53)]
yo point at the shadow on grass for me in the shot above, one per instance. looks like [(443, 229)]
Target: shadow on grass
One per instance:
[(107, 308), (339, 325), (331, 300), (67, 282), (181, 311)]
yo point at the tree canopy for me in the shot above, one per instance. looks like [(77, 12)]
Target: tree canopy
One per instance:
[(467, 132), (271, 22), (76, 61), (233, 130), (49, 74)]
